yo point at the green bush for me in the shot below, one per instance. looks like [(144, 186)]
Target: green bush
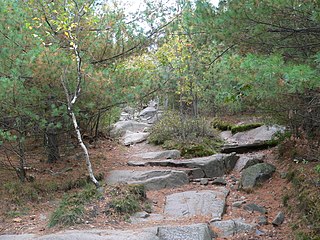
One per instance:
[(126, 199), (194, 137)]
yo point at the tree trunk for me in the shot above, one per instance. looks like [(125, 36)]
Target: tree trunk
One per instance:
[(84, 148), (21, 170), (52, 145)]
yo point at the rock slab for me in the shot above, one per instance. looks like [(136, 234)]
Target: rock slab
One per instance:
[(213, 166), (254, 139), (151, 179), (257, 173), (200, 203), (191, 232), (167, 154), (121, 127), (134, 137), (248, 160), (231, 227)]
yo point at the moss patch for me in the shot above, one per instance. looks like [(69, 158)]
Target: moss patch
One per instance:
[(244, 127)]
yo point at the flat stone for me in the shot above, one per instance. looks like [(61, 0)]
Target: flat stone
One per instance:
[(229, 228), (191, 232), (238, 204), (213, 166), (192, 203), (18, 237), (150, 218), (121, 127), (262, 220), (151, 179), (247, 160), (219, 181), (195, 173), (204, 181), (278, 220), (251, 207), (167, 154), (255, 174), (134, 137), (139, 234)]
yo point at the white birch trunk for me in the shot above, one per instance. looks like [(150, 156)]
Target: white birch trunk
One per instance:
[(84, 148), (70, 103)]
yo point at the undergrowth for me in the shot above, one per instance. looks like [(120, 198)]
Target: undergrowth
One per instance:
[(71, 208), (302, 200), (125, 200), (194, 137), (20, 193)]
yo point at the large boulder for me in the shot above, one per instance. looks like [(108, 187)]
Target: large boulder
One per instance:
[(197, 203), (230, 228), (254, 139), (167, 154), (151, 179), (131, 138), (257, 173), (148, 113), (190, 232), (213, 166), (121, 127), (247, 160)]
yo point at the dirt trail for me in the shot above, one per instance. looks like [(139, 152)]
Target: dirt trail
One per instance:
[(107, 157)]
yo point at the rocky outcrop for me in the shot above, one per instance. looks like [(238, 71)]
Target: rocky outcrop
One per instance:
[(131, 138), (151, 179), (254, 139), (121, 127), (200, 203), (213, 166), (255, 174)]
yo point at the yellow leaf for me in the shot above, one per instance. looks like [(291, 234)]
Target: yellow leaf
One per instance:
[(30, 27), (66, 33)]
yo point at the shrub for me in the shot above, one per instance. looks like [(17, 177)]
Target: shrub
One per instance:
[(126, 199), (194, 137)]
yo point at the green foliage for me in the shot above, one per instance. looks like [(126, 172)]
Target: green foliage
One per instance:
[(221, 125), (126, 199), (71, 208), (194, 137)]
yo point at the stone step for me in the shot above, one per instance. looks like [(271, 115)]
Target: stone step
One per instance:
[(166, 154), (213, 166), (197, 203), (229, 228), (187, 232), (151, 179)]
